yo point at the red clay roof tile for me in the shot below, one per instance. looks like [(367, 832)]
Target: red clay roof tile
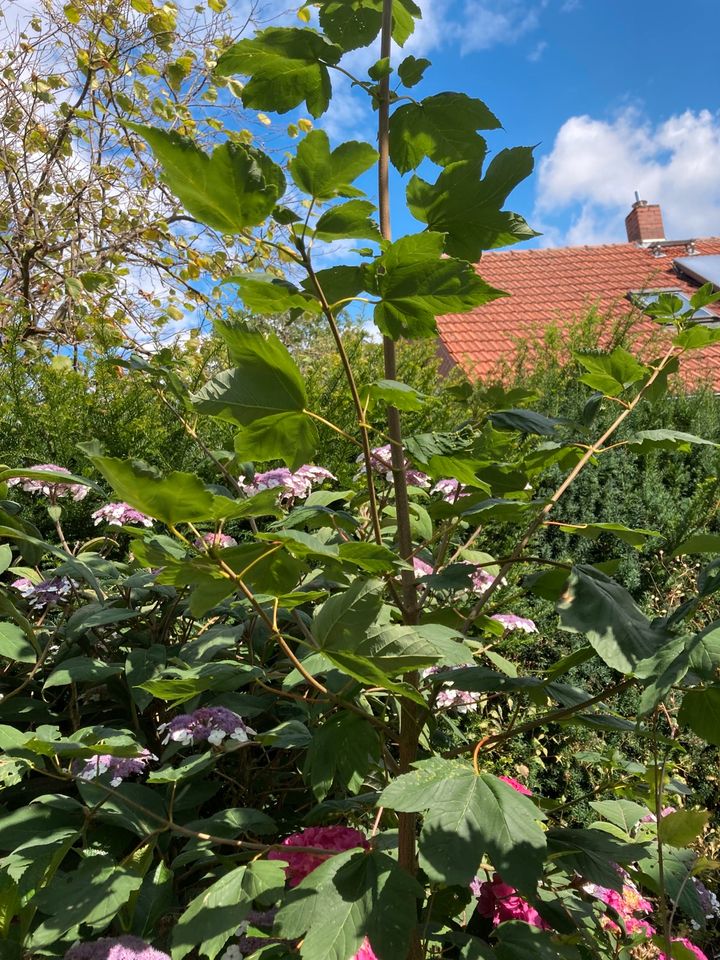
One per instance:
[(561, 285)]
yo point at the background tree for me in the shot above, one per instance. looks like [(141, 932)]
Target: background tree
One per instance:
[(92, 244)]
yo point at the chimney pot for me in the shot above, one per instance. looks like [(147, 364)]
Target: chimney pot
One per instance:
[(644, 223)]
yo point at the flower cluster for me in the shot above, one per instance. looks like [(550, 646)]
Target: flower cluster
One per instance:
[(295, 485), (708, 901), (119, 767), (299, 865), (46, 593), (47, 487), (511, 622), (498, 901), (421, 568), (450, 490), (381, 462), (126, 947), (118, 514), (213, 724), (448, 698), (221, 540), (627, 905)]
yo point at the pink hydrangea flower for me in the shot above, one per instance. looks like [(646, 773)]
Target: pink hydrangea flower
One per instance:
[(118, 514), (213, 724), (300, 865), (365, 952), (626, 904), (651, 818), (516, 785), (421, 568), (512, 622), (48, 488), (126, 947), (293, 485), (119, 767), (381, 461), (221, 540), (499, 902)]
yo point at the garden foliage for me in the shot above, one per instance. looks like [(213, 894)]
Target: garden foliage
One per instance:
[(235, 719)]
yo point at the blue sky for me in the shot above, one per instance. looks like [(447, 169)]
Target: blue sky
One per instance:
[(619, 95)]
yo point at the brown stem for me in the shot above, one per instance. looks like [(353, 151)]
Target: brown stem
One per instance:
[(410, 723)]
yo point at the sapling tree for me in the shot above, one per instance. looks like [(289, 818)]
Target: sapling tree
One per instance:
[(242, 731)]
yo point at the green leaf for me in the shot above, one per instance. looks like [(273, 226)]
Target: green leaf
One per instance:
[(179, 497), (525, 421), (468, 209), (393, 393), (351, 219), (416, 284), (597, 606), (442, 127), (682, 827), (593, 854), (469, 815), (286, 65), (343, 749), (5, 557), (264, 381), (636, 537), (350, 896), (411, 70), (380, 69), (704, 651), (646, 441), (324, 174), (268, 295), (398, 649), (610, 373), (521, 941), (696, 337), (81, 670), (346, 615), (700, 711), (92, 894), (623, 813), (699, 543), (677, 869), (356, 23), (234, 188), (338, 283), (14, 644), (291, 437), (212, 918)]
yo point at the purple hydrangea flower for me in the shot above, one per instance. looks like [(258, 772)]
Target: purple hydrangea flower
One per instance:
[(381, 462), (448, 698), (126, 947), (117, 514), (213, 724), (221, 540), (450, 489), (46, 593), (54, 490), (119, 767), (297, 485), (512, 622)]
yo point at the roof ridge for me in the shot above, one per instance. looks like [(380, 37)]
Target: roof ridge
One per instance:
[(597, 246)]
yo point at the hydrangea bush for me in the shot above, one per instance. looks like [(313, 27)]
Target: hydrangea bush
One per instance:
[(243, 722)]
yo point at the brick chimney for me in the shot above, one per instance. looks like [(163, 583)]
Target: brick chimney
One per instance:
[(644, 222)]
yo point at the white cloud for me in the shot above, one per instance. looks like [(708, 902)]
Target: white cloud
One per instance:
[(487, 23), (596, 166), (537, 51)]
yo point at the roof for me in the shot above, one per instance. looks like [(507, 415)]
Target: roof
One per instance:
[(561, 285)]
